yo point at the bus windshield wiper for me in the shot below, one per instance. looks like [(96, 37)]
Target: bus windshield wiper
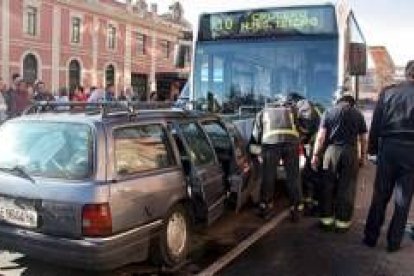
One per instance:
[(18, 171)]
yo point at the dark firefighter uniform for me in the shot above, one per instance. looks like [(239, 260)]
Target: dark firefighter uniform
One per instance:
[(343, 125), (392, 141), (309, 117), (275, 129)]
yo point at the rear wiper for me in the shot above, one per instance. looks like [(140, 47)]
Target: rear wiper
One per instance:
[(18, 171)]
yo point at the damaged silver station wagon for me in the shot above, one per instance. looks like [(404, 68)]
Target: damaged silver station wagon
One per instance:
[(101, 186)]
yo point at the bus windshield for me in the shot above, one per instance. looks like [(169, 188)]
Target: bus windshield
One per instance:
[(241, 72)]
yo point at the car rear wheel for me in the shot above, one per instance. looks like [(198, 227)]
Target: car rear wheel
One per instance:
[(174, 241)]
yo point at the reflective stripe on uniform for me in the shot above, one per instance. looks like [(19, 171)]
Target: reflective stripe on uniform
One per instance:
[(288, 128), (281, 132), (327, 221), (343, 224)]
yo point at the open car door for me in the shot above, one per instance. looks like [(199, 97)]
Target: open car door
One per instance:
[(204, 173), (237, 167)]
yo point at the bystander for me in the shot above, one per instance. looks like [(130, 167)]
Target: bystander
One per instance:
[(79, 95), (110, 94), (40, 92), (19, 99), (3, 103)]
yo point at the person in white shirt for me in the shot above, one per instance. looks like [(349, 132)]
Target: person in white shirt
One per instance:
[(63, 96), (3, 103), (98, 95)]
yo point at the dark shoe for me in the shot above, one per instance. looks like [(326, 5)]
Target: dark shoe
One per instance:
[(294, 215), (369, 243), (265, 210), (313, 211), (393, 248), (308, 212), (341, 230)]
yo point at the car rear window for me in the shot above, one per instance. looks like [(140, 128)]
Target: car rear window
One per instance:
[(47, 149), (141, 148)]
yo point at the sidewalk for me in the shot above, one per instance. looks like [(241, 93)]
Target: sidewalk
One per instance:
[(304, 250)]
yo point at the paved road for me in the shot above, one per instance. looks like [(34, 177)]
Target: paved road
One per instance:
[(305, 250)]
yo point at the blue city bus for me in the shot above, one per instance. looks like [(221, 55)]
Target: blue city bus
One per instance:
[(245, 58)]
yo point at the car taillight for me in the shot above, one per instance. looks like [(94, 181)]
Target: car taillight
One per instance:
[(96, 220), (301, 150)]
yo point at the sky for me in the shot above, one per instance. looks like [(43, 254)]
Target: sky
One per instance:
[(384, 22)]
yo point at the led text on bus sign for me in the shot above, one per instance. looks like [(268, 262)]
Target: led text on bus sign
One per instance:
[(265, 21), (287, 21)]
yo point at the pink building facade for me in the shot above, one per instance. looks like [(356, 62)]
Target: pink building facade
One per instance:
[(89, 42)]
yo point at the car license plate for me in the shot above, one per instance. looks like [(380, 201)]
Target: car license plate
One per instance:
[(20, 214)]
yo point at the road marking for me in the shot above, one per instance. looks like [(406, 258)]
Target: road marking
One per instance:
[(214, 268)]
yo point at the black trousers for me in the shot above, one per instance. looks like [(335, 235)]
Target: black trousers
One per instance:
[(272, 154), (340, 168), (311, 180), (395, 173), (307, 174)]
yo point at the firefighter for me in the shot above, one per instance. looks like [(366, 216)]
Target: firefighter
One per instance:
[(342, 127), (275, 131), (309, 116), (392, 141)]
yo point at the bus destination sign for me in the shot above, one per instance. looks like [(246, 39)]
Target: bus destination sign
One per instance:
[(268, 23)]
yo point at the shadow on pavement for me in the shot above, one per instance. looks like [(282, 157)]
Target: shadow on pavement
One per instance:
[(304, 249)]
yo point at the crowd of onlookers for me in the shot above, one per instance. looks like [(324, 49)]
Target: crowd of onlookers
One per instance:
[(20, 94)]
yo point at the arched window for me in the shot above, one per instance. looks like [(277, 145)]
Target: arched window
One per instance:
[(74, 74), (30, 68), (110, 74)]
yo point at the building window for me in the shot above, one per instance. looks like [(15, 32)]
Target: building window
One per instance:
[(74, 74), (31, 21), (76, 30), (141, 44), (30, 68), (165, 48), (110, 75), (111, 36), (187, 55), (139, 83)]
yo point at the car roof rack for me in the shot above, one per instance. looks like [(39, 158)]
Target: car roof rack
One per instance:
[(136, 106), (105, 109)]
